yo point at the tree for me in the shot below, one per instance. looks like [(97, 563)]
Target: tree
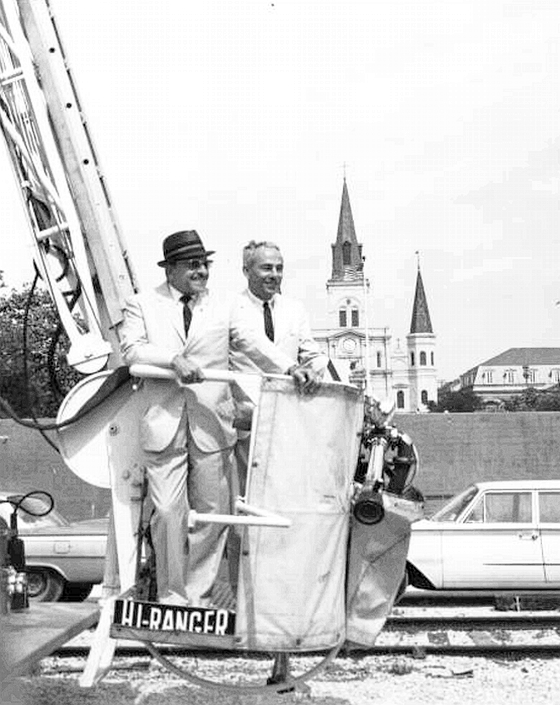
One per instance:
[(532, 400), (464, 400), (549, 400), (34, 374)]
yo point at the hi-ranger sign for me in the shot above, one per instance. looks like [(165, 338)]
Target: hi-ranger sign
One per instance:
[(173, 618)]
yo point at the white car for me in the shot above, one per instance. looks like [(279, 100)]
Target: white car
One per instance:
[(491, 536), (63, 559)]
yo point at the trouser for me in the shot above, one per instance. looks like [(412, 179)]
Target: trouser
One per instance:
[(182, 477)]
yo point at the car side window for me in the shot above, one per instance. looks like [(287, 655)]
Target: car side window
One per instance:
[(507, 507), (549, 507), (476, 516)]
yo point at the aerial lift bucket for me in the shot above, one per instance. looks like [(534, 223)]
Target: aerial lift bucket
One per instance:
[(291, 593)]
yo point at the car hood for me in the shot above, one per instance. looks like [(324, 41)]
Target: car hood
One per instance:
[(426, 525), (98, 527)]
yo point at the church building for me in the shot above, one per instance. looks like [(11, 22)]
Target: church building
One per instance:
[(406, 376)]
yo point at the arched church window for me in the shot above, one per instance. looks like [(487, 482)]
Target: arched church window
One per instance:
[(423, 359), (432, 363), (400, 399), (424, 396), (346, 253), (378, 359), (412, 359), (355, 317), (342, 318)]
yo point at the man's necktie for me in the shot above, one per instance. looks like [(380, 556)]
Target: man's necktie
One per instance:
[(187, 313), (268, 324)]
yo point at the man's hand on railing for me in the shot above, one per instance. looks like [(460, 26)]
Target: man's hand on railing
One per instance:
[(307, 381), (186, 372)]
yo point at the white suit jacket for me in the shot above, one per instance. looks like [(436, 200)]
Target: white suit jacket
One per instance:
[(292, 333), (152, 333)]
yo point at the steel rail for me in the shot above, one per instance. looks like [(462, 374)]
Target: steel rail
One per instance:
[(417, 651), (424, 625), (507, 620)]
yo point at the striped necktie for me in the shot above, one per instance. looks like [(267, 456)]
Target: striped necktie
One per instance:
[(268, 324), (187, 313)]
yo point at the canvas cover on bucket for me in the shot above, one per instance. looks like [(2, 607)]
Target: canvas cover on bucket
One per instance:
[(292, 581), (376, 564)]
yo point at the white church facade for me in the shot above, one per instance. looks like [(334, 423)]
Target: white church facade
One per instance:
[(406, 376)]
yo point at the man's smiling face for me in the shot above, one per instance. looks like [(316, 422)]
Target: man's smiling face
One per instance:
[(264, 274), (189, 276)]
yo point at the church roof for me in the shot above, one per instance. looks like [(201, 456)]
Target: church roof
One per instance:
[(525, 356), (347, 264), (420, 322), (346, 231)]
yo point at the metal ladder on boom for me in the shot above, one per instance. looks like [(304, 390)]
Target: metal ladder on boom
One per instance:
[(78, 248)]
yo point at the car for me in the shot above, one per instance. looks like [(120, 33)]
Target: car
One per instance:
[(492, 536), (64, 560)]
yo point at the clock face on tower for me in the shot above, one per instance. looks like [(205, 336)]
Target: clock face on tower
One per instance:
[(349, 345)]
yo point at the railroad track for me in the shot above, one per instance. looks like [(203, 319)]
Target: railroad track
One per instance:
[(466, 632), (447, 631)]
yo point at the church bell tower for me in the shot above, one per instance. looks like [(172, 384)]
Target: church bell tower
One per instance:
[(407, 374)]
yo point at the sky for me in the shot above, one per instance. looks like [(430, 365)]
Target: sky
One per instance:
[(239, 118)]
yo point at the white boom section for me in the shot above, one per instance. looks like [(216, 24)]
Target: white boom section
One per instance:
[(78, 247)]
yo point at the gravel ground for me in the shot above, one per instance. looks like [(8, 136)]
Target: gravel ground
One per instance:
[(358, 680)]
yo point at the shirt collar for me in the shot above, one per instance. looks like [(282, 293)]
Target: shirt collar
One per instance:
[(260, 302)]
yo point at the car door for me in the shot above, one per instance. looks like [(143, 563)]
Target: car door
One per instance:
[(496, 545), (549, 524)]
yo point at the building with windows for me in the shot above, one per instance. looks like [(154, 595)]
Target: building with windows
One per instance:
[(511, 372), (407, 375)]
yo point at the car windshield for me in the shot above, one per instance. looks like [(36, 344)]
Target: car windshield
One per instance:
[(455, 506), (27, 519)]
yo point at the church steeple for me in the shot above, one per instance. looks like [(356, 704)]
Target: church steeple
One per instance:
[(420, 322), (346, 252)]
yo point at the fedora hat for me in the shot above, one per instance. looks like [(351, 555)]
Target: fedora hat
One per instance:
[(185, 244)]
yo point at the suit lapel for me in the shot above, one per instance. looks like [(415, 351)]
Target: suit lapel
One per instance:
[(170, 311), (199, 320), (279, 320)]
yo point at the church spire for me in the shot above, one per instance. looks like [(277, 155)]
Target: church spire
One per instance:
[(420, 322), (346, 252)]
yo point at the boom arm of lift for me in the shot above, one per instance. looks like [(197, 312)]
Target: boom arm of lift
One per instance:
[(79, 251)]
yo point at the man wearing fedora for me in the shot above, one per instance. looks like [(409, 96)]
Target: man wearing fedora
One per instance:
[(187, 433)]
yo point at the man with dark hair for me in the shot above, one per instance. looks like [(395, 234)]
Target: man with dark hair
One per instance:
[(187, 434)]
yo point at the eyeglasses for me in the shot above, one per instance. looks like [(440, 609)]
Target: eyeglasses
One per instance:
[(193, 264)]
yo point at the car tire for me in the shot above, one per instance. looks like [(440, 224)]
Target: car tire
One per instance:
[(44, 585), (77, 592)]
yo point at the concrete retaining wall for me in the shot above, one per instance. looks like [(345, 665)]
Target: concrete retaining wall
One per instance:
[(455, 450)]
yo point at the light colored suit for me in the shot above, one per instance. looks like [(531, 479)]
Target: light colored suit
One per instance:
[(187, 433), (292, 333)]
